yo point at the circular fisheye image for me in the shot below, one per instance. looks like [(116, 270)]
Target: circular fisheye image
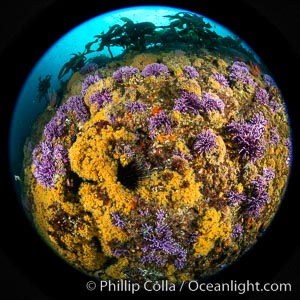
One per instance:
[(157, 146)]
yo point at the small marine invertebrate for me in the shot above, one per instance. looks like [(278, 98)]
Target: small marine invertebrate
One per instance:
[(248, 136), (156, 70), (52, 98), (124, 73), (239, 72), (262, 95), (88, 68), (135, 107), (205, 142), (89, 80), (209, 103), (188, 102), (221, 79), (101, 98), (190, 72), (158, 120)]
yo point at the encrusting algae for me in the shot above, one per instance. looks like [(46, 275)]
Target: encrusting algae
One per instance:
[(160, 166)]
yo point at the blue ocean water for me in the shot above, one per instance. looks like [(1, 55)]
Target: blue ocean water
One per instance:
[(28, 107)]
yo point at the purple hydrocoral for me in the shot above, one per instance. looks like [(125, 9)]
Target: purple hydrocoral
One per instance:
[(88, 81), (188, 102), (190, 72), (249, 136), (237, 230), (160, 246), (259, 184), (76, 105), (269, 80), (235, 198), (158, 120), (239, 72), (187, 157), (89, 68), (49, 161), (156, 70), (118, 221), (288, 144), (134, 107), (269, 174), (274, 136), (275, 106), (209, 103), (124, 73), (221, 79), (122, 148), (101, 98), (258, 198), (55, 127), (262, 95), (205, 142)]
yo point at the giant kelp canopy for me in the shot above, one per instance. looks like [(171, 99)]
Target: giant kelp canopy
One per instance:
[(187, 30)]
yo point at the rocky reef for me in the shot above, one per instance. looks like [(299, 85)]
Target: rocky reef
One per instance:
[(167, 162), (159, 165)]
